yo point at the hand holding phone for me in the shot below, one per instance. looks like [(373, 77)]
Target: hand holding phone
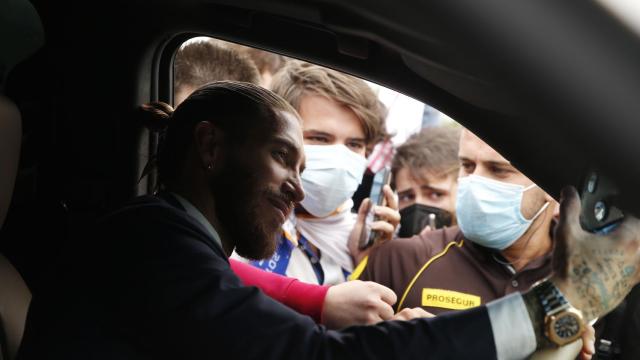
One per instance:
[(377, 197)]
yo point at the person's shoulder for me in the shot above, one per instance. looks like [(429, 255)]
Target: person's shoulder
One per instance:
[(141, 205), (399, 250), (426, 244), (399, 246), (148, 209), (152, 219), (439, 239)]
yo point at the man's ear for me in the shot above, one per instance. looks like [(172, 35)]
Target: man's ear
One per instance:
[(207, 143)]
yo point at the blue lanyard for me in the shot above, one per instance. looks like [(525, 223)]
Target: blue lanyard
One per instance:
[(279, 261), (304, 245)]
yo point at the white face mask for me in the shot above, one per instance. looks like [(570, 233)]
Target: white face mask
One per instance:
[(331, 177), (488, 211)]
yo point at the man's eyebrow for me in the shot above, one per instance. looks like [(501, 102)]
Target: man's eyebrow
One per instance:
[(291, 147), (286, 142), (317, 132), (405, 191), (434, 188), (498, 163)]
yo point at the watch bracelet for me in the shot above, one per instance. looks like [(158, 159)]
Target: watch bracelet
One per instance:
[(537, 315), (550, 297)]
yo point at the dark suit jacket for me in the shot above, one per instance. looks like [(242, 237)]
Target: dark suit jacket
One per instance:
[(150, 283)]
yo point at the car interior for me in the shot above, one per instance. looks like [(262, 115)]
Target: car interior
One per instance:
[(552, 85)]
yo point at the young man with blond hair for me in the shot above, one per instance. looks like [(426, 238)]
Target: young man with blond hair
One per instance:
[(342, 120)]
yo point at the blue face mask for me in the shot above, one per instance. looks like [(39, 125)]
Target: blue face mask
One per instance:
[(332, 175), (488, 211)]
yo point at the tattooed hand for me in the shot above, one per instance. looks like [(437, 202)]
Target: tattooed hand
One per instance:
[(595, 272)]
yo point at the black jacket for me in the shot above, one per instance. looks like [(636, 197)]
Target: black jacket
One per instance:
[(150, 283)]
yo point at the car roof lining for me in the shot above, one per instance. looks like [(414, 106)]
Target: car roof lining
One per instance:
[(447, 54)]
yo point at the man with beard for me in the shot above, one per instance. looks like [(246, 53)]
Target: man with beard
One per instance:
[(203, 60), (154, 282), (503, 243)]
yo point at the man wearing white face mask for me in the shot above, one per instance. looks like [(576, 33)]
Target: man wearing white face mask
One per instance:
[(503, 242), (342, 120)]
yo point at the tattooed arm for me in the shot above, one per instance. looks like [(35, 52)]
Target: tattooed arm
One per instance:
[(594, 272)]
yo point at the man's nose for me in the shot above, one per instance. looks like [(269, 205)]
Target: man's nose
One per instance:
[(294, 190)]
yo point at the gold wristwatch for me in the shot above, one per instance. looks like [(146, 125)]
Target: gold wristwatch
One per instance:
[(563, 323)]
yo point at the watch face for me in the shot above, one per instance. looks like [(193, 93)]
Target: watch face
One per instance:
[(566, 326)]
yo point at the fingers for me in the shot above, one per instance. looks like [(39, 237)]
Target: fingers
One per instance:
[(386, 226), (380, 303), (358, 236), (383, 226), (415, 313), (585, 356), (588, 343), (423, 313), (385, 312), (388, 214), (420, 313), (569, 223), (568, 228), (386, 294), (384, 230), (390, 197), (357, 303), (365, 205), (388, 217)]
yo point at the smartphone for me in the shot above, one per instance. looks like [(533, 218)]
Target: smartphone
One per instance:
[(380, 179), (599, 199)]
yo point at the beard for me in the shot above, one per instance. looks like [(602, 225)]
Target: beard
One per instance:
[(237, 204)]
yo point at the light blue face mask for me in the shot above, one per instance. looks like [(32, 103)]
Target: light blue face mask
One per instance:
[(488, 211), (331, 177)]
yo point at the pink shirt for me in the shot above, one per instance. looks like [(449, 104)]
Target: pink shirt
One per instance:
[(304, 298)]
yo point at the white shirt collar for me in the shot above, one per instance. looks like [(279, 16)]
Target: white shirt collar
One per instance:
[(195, 213)]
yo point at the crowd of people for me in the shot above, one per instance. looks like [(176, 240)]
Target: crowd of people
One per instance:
[(259, 164)]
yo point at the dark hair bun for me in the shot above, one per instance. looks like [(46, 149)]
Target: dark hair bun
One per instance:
[(155, 115)]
